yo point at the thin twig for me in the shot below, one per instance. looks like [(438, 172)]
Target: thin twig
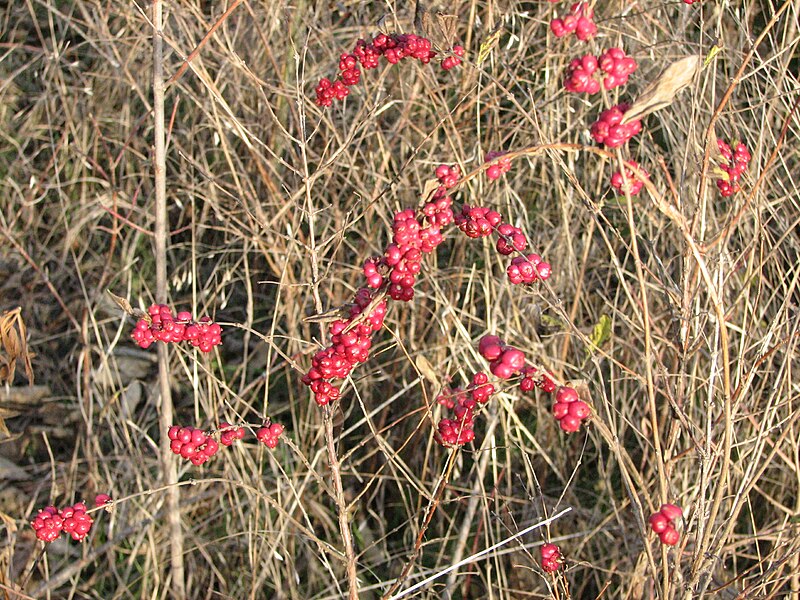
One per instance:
[(168, 460)]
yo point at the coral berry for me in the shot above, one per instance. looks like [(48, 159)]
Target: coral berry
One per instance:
[(631, 183), (663, 523), (551, 558), (609, 129)]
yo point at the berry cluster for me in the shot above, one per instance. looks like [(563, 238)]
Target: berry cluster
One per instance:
[(192, 444), (452, 61), (533, 378), (613, 68), (569, 411), (229, 434), (460, 430), (367, 53), (198, 446), (269, 434), (413, 235), (611, 131), (579, 21), (479, 221), (528, 269), (551, 558), (161, 325), (351, 340), (631, 183), (72, 520), (736, 164), (504, 361), (500, 165), (663, 523)]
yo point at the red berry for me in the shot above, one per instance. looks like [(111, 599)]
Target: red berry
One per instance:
[(101, 500), (566, 394), (570, 424), (579, 410), (560, 410), (671, 511), (659, 522), (669, 536)]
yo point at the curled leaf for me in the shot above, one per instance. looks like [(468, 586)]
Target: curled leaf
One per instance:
[(127, 308), (661, 93), (14, 346)]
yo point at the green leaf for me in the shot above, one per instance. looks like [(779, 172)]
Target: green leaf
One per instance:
[(601, 333), (488, 45)]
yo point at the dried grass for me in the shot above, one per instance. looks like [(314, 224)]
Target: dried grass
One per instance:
[(694, 389)]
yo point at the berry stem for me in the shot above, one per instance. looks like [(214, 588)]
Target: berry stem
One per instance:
[(330, 440), (169, 463)]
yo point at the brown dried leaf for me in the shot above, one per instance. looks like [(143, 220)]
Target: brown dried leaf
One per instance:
[(438, 27), (447, 25), (427, 370), (127, 308), (661, 93), (429, 188), (13, 339)]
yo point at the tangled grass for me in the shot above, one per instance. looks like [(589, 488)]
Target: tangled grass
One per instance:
[(674, 311)]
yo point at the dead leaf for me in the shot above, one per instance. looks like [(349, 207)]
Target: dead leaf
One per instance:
[(661, 93), (427, 370), (429, 189), (447, 26), (127, 308), (438, 27), (14, 342)]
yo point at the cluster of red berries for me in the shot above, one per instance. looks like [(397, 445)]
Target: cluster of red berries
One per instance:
[(613, 66), (499, 167), (479, 221), (72, 520), (198, 446), (161, 325), (569, 411), (452, 61), (631, 183), (270, 434), (609, 129), (663, 523), (579, 20), (229, 434), (366, 54), (192, 444), (504, 361), (528, 269), (460, 429), (413, 235), (551, 558), (351, 340), (533, 378), (736, 164)]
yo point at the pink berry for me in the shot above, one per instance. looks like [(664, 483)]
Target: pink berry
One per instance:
[(490, 347), (659, 522), (566, 394), (570, 424), (101, 500), (671, 511), (669, 536), (579, 410), (560, 410)]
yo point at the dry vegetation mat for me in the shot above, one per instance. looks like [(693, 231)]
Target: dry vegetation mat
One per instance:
[(385, 300)]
